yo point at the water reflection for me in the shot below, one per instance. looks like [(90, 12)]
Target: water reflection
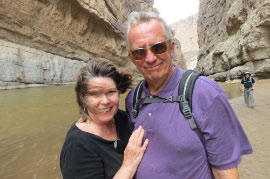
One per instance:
[(34, 122)]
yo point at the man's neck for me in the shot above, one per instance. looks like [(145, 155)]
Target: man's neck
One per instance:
[(155, 87)]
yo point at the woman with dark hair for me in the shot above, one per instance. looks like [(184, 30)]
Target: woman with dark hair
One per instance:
[(100, 144)]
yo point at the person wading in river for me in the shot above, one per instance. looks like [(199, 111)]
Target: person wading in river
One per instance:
[(248, 86)]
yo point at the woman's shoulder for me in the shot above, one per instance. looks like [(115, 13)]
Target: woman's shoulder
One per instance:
[(78, 138), (72, 132), (121, 114), (121, 118)]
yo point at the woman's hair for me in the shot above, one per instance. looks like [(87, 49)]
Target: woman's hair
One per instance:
[(98, 67), (141, 16)]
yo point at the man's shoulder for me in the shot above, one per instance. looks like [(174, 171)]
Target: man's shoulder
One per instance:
[(206, 89), (129, 97), (205, 83)]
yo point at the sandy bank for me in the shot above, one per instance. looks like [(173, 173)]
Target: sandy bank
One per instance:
[(256, 123)]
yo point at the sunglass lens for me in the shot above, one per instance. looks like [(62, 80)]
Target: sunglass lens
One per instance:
[(139, 53), (159, 48)]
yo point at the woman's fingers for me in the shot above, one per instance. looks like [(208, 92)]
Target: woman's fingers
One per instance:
[(134, 136), (135, 150), (140, 136), (145, 144), (136, 139)]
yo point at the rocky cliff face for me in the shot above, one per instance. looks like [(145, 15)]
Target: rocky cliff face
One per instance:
[(234, 37), (178, 57), (46, 41), (185, 31)]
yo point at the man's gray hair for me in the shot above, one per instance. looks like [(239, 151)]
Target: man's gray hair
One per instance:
[(142, 16)]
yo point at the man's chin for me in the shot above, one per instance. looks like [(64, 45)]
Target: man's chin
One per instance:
[(153, 78)]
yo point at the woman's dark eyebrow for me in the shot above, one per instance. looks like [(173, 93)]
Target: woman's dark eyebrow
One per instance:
[(98, 89)]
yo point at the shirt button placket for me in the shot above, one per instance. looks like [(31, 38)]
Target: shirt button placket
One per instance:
[(150, 114)]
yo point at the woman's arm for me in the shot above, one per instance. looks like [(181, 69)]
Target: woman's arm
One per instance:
[(133, 155)]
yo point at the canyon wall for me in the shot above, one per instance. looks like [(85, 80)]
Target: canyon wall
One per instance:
[(234, 37), (47, 41), (185, 31)]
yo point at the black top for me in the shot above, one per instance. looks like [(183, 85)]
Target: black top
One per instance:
[(85, 155)]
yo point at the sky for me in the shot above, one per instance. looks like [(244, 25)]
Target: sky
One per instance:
[(174, 10)]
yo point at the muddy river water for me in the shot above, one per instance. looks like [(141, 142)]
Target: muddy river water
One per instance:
[(34, 122)]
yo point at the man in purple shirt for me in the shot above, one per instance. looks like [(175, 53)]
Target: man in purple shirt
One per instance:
[(174, 150)]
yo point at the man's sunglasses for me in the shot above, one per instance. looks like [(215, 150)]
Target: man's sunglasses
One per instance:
[(158, 48)]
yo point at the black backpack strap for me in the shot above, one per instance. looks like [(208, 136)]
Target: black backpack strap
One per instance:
[(184, 98), (185, 91), (137, 95), (156, 99)]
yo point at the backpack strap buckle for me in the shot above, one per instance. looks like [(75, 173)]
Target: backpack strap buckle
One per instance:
[(186, 110), (172, 99)]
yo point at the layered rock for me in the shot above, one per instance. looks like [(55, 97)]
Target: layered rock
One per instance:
[(185, 31), (234, 37), (22, 66), (46, 41), (178, 57)]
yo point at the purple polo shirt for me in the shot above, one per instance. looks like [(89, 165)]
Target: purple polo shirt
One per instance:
[(174, 150)]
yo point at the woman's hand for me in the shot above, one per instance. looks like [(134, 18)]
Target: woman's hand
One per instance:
[(134, 151), (133, 154)]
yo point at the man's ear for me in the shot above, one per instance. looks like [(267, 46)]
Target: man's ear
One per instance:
[(172, 45)]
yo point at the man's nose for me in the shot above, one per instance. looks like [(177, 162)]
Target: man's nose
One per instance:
[(150, 57)]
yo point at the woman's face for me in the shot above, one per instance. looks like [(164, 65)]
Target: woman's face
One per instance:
[(102, 99)]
